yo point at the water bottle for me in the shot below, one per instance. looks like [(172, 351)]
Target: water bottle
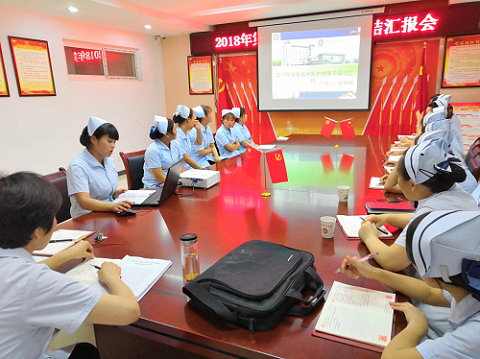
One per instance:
[(189, 253)]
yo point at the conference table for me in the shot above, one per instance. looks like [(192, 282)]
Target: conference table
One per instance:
[(227, 215)]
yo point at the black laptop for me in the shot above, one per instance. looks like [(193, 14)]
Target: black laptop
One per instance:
[(169, 186)]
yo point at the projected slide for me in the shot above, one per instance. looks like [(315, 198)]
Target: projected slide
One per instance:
[(315, 64)]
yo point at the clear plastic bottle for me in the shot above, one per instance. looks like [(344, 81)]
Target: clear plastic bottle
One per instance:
[(189, 253)]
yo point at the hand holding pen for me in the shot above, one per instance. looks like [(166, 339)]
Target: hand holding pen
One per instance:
[(378, 228), (363, 259)]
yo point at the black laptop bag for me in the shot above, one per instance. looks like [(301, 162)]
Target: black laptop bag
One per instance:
[(256, 284)]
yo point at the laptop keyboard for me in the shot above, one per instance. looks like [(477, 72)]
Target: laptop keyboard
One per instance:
[(153, 199)]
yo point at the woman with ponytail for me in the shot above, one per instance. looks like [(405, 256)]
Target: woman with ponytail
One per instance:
[(444, 247), (160, 155)]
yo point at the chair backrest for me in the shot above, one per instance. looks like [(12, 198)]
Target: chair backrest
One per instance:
[(473, 157), (133, 163), (59, 180)]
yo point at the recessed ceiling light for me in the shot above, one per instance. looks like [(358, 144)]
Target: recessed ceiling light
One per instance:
[(148, 26), (72, 9)]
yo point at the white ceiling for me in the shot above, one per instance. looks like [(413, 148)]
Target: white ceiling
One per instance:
[(174, 17)]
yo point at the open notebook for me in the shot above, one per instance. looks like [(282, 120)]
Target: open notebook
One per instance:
[(138, 273), (358, 314), (62, 234), (375, 183), (351, 224)]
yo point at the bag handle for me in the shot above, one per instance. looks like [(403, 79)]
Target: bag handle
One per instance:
[(195, 290), (312, 302)]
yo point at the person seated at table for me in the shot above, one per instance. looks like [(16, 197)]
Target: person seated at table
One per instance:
[(185, 119), (161, 154), (226, 140), (91, 176), (205, 154), (34, 298), (428, 174), (241, 130), (444, 248)]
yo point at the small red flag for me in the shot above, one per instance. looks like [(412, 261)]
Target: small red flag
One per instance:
[(251, 160), (276, 165), (422, 97), (328, 126), (327, 163), (347, 129), (346, 163)]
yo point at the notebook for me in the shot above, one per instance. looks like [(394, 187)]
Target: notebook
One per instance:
[(389, 169), (394, 158), (135, 196), (138, 273), (386, 207), (351, 224), (375, 183), (358, 314), (59, 234), (282, 138)]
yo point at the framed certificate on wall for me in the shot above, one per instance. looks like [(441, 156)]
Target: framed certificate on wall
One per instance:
[(3, 77), (462, 62), (33, 68), (200, 75)]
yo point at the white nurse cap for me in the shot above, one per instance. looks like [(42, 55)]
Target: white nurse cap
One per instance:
[(434, 116), (226, 112), (236, 112), (93, 124), (183, 111), (444, 98), (438, 125), (426, 159), (198, 111), (443, 239), (161, 123), (435, 135)]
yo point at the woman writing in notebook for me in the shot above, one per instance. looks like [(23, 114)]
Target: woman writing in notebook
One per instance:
[(35, 299), (185, 118), (205, 154), (91, 176), (450, 269), (241, 130), (161, 154), (226, 140)]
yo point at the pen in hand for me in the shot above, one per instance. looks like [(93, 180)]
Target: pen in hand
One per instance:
[(61, 240), (378, 228), (96, 267), (363, 259)]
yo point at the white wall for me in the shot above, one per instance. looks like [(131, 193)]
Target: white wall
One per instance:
[(41, 133)]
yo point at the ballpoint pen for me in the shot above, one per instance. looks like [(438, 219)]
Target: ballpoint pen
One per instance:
[(378, 228), (363, 259), (61, 240), (96, 267)]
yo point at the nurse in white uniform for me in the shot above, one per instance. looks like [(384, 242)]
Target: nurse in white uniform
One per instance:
[(444, 247), (205, 154), (226, 140), (161, 154), (185, 119), (241, 130), (91, 176)]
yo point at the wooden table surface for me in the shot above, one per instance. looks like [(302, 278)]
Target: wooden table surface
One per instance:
[(229, 214)]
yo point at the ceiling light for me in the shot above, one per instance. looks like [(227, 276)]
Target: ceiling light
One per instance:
[(148, 26), (72, 9)]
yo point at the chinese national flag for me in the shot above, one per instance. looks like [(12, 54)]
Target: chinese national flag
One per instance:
[(276, 165), (327, 163), (423, 99), (347, 129), (328, 126), (223, 99), (346, 163), (251, 160)]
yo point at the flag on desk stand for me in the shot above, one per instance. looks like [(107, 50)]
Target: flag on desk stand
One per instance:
[(276, 166), (346, 163), (347, 129), (328, 126), (327, 163), (251, 161)]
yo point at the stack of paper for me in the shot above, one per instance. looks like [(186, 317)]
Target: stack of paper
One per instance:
[(375, 183), (351, 225), (265, 147), (135, 196), (138, 273), (359, 314), (71, 237)]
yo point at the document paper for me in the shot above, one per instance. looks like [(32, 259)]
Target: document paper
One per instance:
[(54, 248), (135, 196), (358, 314), (351, 224), (375, 183)]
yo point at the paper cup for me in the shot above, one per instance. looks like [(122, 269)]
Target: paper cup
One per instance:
[(343, 193), (328, 226)]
